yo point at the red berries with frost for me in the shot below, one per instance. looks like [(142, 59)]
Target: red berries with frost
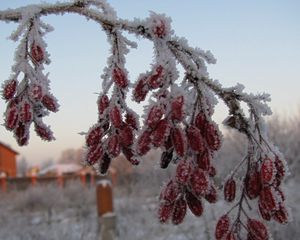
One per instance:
[(103, 103), (165, 211), (201, 121), (94, 154), (128, 153), (203, 160), (143, 144), (37, 53), (155, 80), (11, 116), (177, 108), (43, 131), (115, 117), (267, 170), (280, 169), (178, 140), (222, 227), (155, 114), (211, 195), (126, 136), (267, 199), (229, 190), (160, 133), (170, 192), (50, 103), (36, 92), (113, 146), (131, 120), (199, 182), (94, 135), (280, 215), (195, 140), (104, 163), (166, 158), (194, 204), (119, 77), (159, 28), (179, 211), (183, 171), (25, 112), (141, 89), (266, 215), (252, 184), (212, 137), (257, 229), (9, 89)]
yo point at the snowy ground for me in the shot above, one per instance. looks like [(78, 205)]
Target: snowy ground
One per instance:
[(69, 214)]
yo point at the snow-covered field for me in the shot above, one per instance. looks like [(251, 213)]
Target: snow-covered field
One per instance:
[(70, 214)]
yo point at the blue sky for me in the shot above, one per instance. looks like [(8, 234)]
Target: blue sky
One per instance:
[(256, 43)]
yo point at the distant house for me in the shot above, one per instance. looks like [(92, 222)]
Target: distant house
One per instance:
[(8, 163)]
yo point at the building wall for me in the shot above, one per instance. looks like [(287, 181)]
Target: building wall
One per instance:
[(8, 161)]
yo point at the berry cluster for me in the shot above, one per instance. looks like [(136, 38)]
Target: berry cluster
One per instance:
[(29, 100)]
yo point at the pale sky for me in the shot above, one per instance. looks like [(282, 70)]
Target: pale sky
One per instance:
[(256, 43)]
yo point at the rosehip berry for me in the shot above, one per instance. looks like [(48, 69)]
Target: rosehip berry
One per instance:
[(177, 108), (166, 158), (229, 190), (9, 89), (116, 117), (119, 77), (43, 131), (178, 140), (195, 139), (160, 133), (183, 171), (141, 89), (222, 227), (170, 192), (194, 204), (165, 211), (103, 103), (155, 80), (155, 114), (50, 103), (252, 184), (37, 53), (257, 229), (94, 154), (179, 211), (126, 136), (267, 170), (104, 163), (113, 146), (199, 182), (94, 135), (211, 196), (143, 144)]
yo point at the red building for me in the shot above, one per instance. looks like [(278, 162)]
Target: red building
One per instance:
[(8, 162)]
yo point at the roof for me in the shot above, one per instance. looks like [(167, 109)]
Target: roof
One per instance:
[(61, 168), (8, 148)]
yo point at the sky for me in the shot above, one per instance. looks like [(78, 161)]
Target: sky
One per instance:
[(256, 43)]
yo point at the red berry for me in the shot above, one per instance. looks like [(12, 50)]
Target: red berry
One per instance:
[(25, 112), (131, 120), (165, 211), (229, 190), (141, 89), (212, 171), (11, 116), (50, 103), (199, 182), (179, 211), (195, 204), (177, 108), (178, 140), (183, 171), (37, 53), (212, 137), (94, 135), (280, 169), (211, 196), (159, 28), (9, 89), (280, 215), (230, 236), (143, 144), (116, 117), (119, 77), (170, 192), (201, 122), (94, 154), (130, 156), (252, 184), (155, 114), (195, 139), (43, 131), (103, 103), (155, 80), (266, 215), (165, 159), (267, 171), (22, 133), (203, 160), (267, 199), (126, 136), (222, 227), (160, 133), (113, 146), (36, 92), (257, 229)]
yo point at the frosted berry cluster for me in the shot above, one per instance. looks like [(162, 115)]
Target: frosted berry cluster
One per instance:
[(27, 91), (177, 118)]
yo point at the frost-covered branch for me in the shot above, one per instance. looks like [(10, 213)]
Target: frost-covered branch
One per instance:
[(177, 118)]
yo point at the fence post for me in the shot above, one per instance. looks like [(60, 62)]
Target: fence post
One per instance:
[(107, 217), (83, 179), (3, 183), (33, 180), (60, 180)]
